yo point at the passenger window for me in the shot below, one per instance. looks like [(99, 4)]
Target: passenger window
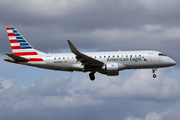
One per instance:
[(72, 57), (117, 55), (54, 58), (99, 56), (59, 58), (130, 55), (67, 57), (126, 55), (63, 57), (122, 56), (135, 55), (108, 56), (94, 56), (113, 56), (104, 56), (139, 55)]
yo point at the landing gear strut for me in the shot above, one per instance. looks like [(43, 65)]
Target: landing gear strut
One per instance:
[(153, 71), (91, 75)]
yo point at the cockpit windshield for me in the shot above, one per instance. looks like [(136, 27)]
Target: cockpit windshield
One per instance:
[(161, 54)]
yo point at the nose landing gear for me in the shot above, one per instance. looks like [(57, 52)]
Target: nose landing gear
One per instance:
[(153, 71)]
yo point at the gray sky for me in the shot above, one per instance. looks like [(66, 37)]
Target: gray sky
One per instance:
[(92, 25)]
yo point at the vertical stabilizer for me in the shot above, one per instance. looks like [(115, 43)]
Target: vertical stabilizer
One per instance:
[(19, 44)]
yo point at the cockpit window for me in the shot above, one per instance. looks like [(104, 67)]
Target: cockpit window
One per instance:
[(161, 54)]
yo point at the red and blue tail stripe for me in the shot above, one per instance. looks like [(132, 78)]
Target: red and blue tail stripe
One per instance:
[(17, 41), (21, 47)]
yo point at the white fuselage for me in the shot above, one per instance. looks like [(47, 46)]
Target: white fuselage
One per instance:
[(129, 60)]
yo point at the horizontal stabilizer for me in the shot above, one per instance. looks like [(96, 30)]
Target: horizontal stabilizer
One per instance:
[(17, 58)]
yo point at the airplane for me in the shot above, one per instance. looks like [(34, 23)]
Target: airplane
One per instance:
[(108, 63)]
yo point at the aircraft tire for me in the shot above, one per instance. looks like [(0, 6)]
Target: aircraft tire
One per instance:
[(154, 75)]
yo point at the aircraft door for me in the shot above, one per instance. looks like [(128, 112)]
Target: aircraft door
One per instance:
[(48, 60), (151, 57)]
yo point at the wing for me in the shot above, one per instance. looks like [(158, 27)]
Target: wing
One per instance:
[(87, 61)]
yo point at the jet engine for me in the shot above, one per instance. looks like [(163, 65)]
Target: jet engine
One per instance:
[(112, 69)]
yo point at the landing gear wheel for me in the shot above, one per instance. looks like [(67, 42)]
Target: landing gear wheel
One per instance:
[(154, 75), (91, 75), (153, 71)]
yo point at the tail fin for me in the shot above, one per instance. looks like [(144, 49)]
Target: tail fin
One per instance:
[(19, 45)]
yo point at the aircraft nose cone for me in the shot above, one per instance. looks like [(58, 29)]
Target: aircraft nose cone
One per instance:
[(172, 62)]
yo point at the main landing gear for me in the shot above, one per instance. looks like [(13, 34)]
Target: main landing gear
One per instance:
[(153, 71), (91, 75)]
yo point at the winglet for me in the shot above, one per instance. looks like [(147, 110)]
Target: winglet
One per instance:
[(72, 47)]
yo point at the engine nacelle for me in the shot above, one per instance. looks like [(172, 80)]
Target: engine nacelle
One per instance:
[(112, 69)]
